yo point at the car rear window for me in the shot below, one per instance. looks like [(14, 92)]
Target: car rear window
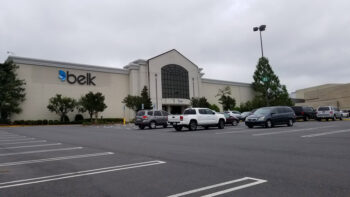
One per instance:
[(323, 109), (140, 113), (190, 111), (157, 113), (150, 113)]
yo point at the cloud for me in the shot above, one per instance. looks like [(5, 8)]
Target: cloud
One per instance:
[(306, 42)]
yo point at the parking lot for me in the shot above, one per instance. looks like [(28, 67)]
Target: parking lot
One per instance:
[(309, 159)]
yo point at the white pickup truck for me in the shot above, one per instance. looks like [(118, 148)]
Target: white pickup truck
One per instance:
[(194, 117)]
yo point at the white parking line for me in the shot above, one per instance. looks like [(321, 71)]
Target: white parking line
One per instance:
[(37, 141), (17, 139), (236, 131), (12, 137), (290, 131), (55, 159), (326, 133), (40, 151), (29, 146), (77, 174), (257, 181)]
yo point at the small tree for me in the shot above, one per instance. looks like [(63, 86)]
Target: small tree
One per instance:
[(225, 99), (135, 102), (268, 86), (92, 103), (12, 91), (61, 105), (214, 107), (200, 102)]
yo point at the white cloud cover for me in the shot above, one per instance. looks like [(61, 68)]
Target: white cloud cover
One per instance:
[(307, 42)]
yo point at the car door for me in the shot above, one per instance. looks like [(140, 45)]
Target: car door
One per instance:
[(276, 115), (158, 117), (165, 116), (211, 117), (202, 117)]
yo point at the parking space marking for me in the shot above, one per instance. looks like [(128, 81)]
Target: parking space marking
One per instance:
[(289, 131), (37, 141), (17, 139), (326, 133), (256, 182), (55, 159), (236, 131), (77, 174), (29, 146), (12, 137), (40, 151)]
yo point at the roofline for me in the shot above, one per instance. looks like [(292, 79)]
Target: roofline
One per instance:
[(171, 51), (60, 64), (222, 82)]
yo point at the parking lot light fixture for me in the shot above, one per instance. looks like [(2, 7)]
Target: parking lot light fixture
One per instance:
[(260, 28)]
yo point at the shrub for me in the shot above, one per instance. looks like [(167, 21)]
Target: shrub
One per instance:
[(45, 122), (50, 122), (79, 118), (39, 122), (56, 122)]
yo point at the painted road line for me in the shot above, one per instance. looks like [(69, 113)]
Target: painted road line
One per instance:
[(40, 151), (37, 141), (17, 139), (29, 146), (77, 174), (12, 137), (327, 133), (55, 159), (236, 131), (290, 131), (257, 181)]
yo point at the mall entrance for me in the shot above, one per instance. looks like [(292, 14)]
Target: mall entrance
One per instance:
[(174, 109)]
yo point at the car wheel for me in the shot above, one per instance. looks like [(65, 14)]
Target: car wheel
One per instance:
[(152, 125), (178, 128), (141, 127), (341, 118), (306, 118), (318, 119), (234, 123), (327, 119), (221, 124), (268, 124), (192, 126), (290, 123), (165, 125)]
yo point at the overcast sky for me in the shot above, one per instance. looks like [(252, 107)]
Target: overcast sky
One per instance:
[(307, 42)]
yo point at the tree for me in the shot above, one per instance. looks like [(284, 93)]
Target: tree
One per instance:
[(214, 107), (268, 86), (92, 103), (200, 102), (12, 91), (61, 105), (135, 102), (146, 100), (225, 99)]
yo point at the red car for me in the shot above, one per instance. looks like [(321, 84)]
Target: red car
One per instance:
[(231, 119)]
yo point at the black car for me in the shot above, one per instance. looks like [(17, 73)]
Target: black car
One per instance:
[(304, 112), (271, 116)]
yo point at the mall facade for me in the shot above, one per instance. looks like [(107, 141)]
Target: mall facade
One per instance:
[(171, 78)]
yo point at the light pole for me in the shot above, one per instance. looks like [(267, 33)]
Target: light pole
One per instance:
[(261, 28)]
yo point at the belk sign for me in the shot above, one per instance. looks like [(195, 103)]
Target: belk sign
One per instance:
[(72, 78)]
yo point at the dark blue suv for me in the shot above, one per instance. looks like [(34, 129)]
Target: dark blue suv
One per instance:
[(271, 116)]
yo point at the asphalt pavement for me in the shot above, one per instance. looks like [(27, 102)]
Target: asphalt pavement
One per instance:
[(309, 159)]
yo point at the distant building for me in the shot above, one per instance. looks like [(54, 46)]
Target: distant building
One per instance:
[(337, 95), (171, 78)]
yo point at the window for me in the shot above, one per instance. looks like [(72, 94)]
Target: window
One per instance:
[(190, 111), (210, 112), (202, 111), (165, 113), (157, 113), (175, 82), (140, 113), (150, 113)]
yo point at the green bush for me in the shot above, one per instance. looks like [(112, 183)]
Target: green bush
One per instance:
[(39, 122), (79, 118), (50, 122), (45, 122), (56, 122)]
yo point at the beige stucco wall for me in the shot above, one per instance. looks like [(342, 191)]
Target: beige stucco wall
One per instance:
[(239, 93), (42, 83)]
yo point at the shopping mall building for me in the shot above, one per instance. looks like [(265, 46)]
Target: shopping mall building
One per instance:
[(172, 79)]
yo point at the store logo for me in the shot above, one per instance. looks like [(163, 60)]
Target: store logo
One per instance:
[(80, 79)]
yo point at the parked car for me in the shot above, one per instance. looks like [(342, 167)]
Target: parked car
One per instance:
[(231, 119), (345, 113), (304, 112), (328, 112), (193, 117), (271, 116), (236, 114), (244, 115), (151, 118)]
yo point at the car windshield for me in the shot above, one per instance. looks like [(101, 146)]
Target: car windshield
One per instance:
[(323, 109), (262, 111)]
